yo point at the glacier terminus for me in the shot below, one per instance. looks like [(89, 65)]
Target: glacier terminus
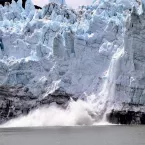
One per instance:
[(63, 66)]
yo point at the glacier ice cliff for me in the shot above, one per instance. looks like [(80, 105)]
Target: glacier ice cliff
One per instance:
[(94, 54)]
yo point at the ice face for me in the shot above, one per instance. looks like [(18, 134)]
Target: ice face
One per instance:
[(66, 34), (91, 52)]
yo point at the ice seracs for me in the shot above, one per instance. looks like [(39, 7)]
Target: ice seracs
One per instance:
[(58, 46), (1, 17), (29, 8), (55, 12), (69, 42), (59, 2)]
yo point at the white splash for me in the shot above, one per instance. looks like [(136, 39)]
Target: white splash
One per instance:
[(77, 113)]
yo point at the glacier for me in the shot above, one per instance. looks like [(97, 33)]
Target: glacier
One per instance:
[(93, 54)]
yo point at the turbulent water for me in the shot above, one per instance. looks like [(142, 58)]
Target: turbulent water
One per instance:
[(95, 53)]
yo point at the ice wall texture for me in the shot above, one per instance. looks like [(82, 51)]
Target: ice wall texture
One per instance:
[(60, 2), (131, 74), (91, 52)]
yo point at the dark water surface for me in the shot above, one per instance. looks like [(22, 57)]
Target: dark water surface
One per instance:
[(97, 135)]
